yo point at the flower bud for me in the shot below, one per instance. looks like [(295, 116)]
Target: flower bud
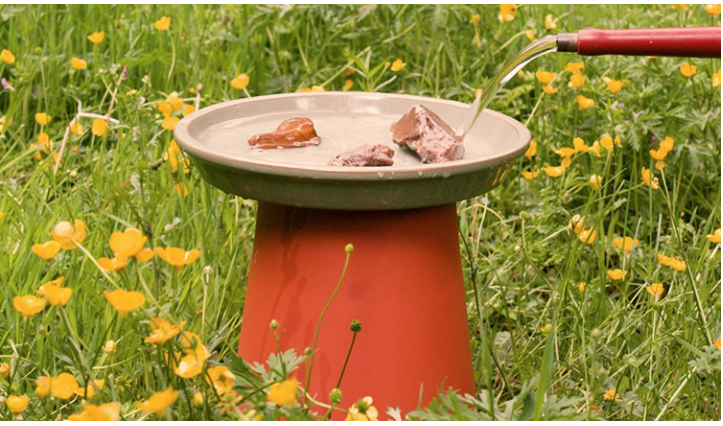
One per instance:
[(349, 248), (109, 347), (198, 399), (207, 270), (274, 324), (596, 334), (335, 396), (355, 326)]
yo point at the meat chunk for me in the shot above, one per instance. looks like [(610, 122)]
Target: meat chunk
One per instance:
[(365, 156), (423, 132), (292, 133)]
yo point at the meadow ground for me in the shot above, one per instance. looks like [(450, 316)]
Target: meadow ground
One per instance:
[(593, 280)]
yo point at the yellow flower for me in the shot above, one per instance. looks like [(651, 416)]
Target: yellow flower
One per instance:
[(68, 235), (47, 250), (159, 402), (678, 265), (584, 103), (42, 386), (163, 24), (56, 295), (625, 244), (222, 379), (475, 19), (550, 22), (667, 144), (665, 260), (124, 301), (576, 80), (595, 182), (109, 347), (398, 65), (188, 110), (549, 89), (96, 413), (28, 305), (581, 287), (656, 290), (127, 243), (162, 330), (587, 236), (574, 67), (177, 257), (530, 35), (90, 389), (717, 343), (715, 79), (577, 224), (175, 102), (191, 343), (531, 150), (115, 264), (607, 142), (712, 9), (363, 410), (649, 180), (507, 12), (283, 393), (554, 171), (100, 126), (189, 366), (614, 86), (78, 64), (63, 386), (545, 77), (658, 155), (165, 108), (169, 123), (529, 175), (566, 151), (76, 128), (348, 84), (240, 81), (7, 56), (42, 118), (181, 189), (688, 70), (175, 155), (478, 93), (4, 369), (198, 400), (610, 395), (96, 37), (616, 274), (715, 238), (17, 404), (313, 89)]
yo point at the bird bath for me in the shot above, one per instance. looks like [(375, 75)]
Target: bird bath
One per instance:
[(404, 282)]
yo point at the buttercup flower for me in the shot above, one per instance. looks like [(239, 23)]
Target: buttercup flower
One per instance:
[(63, 386), (188, 110), (616, 274), (576, 80), (595, 181), (96, 413), (109, 347), (124, 301), (68, 235), (42, 386), (42, 118), (17, 404), (177, 257), (649, 180), (676, 264), (7, 56), (191, 344), (529, 175), (656, 290), (554, 171), (715, 79), (56, 295), (175, 157), (398, 65), (100, 126), (283, 393), (4, 369), (549, 89), (78, 64), (313, 89), (531, 150), (129, 243), (240, 81), (76, 128), (574, 67), (688, 70), (614, 85), (587, 236), (507, 12), (175, 102), (47, 250), (363, 410), (163, 24), (189, 366), (530, 35), (550, 22), (169, 123), (717, 343), (475, 19), (90, 389), (348, 84), (28, 305), (96, 37), (584, 103), (222, 379), (712, 9), (162, 330), (715, 238), (609, 143), (610, 395), (545, 77), (626, 244), (115, 264), (159, 402)]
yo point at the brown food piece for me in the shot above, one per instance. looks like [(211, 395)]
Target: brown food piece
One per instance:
[(422, 131), (292, 133), (365, 156)]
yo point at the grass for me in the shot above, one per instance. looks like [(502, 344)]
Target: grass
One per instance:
[(541, 345)]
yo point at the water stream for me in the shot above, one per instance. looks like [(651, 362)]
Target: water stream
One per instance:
[(534, 50)]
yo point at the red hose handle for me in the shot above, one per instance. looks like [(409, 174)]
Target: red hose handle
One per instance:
[(702, 42)]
